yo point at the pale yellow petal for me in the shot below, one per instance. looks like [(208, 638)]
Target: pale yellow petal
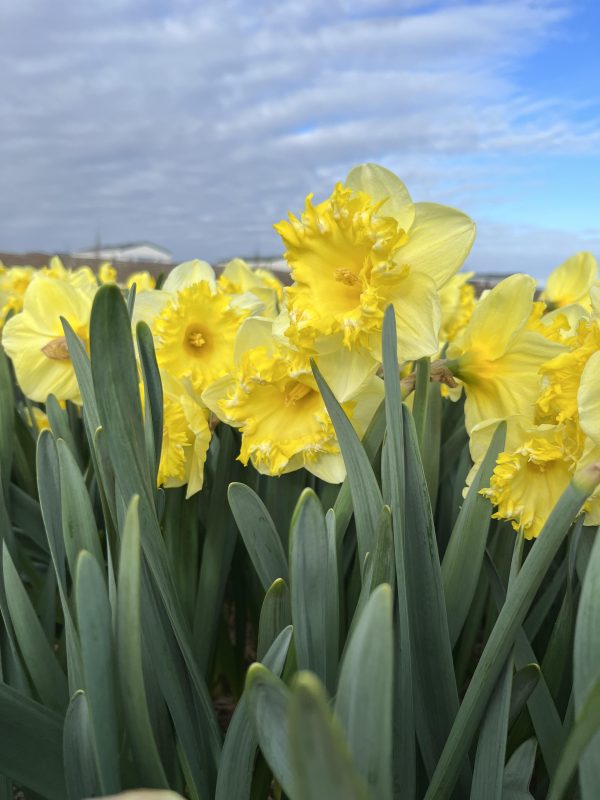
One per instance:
[(366, 404), (39, 376), (497, 319), (438, 242), (418, 316), (511, 384), (347, 372), (217, 392), (148, 305), (588, 398), (381, 184), (329, 467), (187, 274), (595, 299), (253, 332), (47, 300), (571, 280)]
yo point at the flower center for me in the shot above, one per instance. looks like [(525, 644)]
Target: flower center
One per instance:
[(194, 338), (346, 276), (296, 392)]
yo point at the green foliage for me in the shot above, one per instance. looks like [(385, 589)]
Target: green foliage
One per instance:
[(401, 657)]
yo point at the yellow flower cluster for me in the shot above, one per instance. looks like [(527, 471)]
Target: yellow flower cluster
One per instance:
[(534, 364), (236, 348)]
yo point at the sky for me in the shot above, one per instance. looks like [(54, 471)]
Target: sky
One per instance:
[(197, 125)]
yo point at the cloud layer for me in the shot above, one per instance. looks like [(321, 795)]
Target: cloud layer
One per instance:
[(199, 125)]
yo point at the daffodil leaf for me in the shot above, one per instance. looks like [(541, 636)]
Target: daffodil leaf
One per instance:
[(463, 558), (366, 716), (320, 758), (47, 676), (217, 551), (586, 666), (518, 772), (78, 748), (7, 414), (366, 495), (78, 523), (436, 693), (488, 772), (258, 532), (130, 656), (275, 615), (542, 709), (153, 394), (394, 486), (95, 630), (371, 443), (239, 749), (268, 700), (31, 750), (314, 590)]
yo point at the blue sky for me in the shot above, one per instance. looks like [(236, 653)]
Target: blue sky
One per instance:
[(199, 125)]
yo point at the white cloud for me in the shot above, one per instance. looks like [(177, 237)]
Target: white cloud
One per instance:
[(198, 126)]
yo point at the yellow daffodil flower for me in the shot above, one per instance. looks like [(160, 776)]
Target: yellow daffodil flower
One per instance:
[(34, 339), (186, 437), (366, 246), (272, 396), (150, 303), (530, 475), (107, 273), (195, 334), (144, 282), (497, 358), (13, 284), (571, 281), (257, 290)]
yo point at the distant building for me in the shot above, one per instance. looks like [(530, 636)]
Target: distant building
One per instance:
[(132, 251)]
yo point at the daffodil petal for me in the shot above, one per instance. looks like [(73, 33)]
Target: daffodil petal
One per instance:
[(347, 372), (187, 274), (418, 316), (438, 242), (588, 398), (253, 332), (381, 184), (571, 280), (498, 318)]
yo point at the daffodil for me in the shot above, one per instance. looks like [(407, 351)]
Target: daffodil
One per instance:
[(195, 334), (107, 273), (272, 397), (571, 281), (186, 437), (257, 290), (144, 281), (366, 246), (497, 358), (150, 302), (530, 474), (13, 284), (34, 339)]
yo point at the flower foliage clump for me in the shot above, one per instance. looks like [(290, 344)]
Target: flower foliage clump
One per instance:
[(237, 348)]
